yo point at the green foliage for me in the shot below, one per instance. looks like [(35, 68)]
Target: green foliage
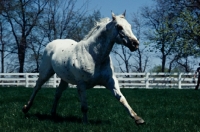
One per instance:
[(174, 30), (158, 69), (189, 33), (164, 110)]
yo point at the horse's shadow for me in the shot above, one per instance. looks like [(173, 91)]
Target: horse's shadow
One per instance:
[(60, 119)]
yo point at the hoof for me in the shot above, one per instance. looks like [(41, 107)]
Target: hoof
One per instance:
[(25, 109), (139, 120)]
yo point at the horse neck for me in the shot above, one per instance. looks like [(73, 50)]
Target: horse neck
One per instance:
[(100, 45)]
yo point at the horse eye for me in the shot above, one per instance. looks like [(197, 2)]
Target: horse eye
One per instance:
[(119, 27)]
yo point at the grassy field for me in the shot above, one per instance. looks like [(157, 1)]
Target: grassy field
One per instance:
[(164, 110)]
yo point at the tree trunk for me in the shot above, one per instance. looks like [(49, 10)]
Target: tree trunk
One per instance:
[(163, 63), (21, 54), (2, 51), (2, 59)]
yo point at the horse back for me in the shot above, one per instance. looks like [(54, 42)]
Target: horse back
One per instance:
[(51, 50)]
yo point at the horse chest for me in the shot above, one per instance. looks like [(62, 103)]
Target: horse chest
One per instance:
[(83, 66)]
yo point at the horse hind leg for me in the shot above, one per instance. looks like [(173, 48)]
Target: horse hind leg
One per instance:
[(41, 80), (62, 86)]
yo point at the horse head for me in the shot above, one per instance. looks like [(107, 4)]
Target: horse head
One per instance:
[(125, 35)]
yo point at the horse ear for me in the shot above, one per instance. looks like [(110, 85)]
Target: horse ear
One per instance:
[(113, 16), (124, 13)]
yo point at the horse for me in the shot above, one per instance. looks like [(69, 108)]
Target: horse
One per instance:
[(87, 63)]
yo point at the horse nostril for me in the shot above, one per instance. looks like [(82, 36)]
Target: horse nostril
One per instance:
[(137, 46), (135, 43)]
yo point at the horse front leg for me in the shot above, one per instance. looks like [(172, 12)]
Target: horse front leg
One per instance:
[(82, 95), (113, 85)]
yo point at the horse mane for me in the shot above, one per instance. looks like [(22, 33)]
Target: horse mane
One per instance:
[(97, 26)]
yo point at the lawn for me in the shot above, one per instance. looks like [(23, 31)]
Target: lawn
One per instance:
[(164, 110)]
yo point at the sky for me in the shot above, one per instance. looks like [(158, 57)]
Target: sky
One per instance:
[(117, 6)]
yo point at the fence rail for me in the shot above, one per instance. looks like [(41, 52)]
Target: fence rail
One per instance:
[(126, 80)]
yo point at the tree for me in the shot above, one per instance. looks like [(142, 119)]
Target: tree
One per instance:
[(128, 61), (62, 19), (159, 23), (2, 47), (85, 25), (123, 57), (173, 31), (34, 23), (187, 31), (35, 48), (58, 19), (189, 23), (76, 26), (141, 56), (5, 43), (22, 15)]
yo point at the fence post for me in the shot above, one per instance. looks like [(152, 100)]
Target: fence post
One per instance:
[(147, 79), (179, 80), (26, 79), (54, 80)]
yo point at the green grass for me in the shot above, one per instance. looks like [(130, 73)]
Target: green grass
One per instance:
[(164, 110)]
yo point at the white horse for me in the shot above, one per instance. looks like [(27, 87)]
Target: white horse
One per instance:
[(87, 63)]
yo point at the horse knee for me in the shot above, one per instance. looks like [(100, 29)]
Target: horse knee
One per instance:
[(117, 94)]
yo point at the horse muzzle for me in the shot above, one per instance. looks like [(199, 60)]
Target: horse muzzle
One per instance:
[(134, 45)]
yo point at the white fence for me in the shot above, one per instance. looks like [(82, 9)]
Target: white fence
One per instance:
[(126, 80)]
